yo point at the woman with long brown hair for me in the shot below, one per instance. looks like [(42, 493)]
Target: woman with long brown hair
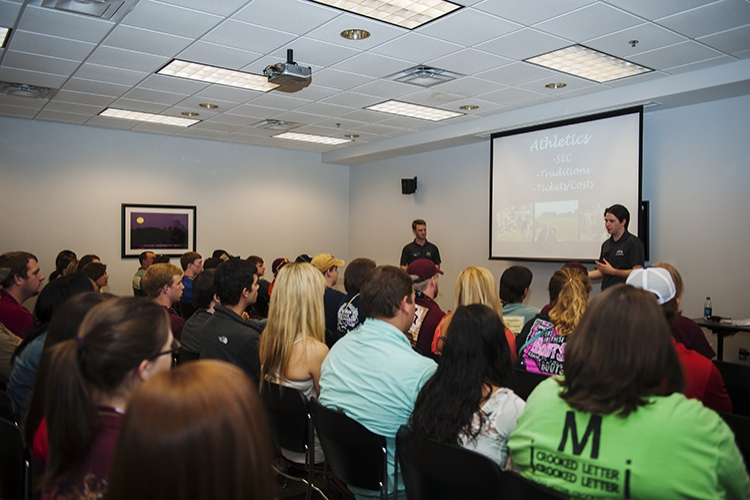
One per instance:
[(541, 343), (198, 432)]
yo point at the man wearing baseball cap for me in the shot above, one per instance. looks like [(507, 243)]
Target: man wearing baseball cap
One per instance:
[(703, 381), (329, 266), (427, 314)]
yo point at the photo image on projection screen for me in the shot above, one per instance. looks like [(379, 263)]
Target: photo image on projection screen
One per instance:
[(551, 183)]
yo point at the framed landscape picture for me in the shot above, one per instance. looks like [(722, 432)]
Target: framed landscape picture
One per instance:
[(162, 229)]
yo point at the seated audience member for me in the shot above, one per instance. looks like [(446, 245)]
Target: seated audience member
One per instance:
[(121, 343), (26, 358), (225, 335), (350, 315), (72, 267), (514, 288), (63, 259), (163, 285), (24, 280), (88, 259), (192, 265), (475, 285), (373, 374), (63, 326), (203, 293), (97, 273), (541, 343), (160, 258), (427, 315), (209, 406), (275, 268), (703, 381), (222, 254), (260, 308), (303, 257), (616, 425), (471, 404), (575, 266), (146, 259), (211, 263), (684, 330), (292, 346), (8, 341), (329, 266)]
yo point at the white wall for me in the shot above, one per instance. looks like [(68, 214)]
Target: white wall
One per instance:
[(696, 173), (62, 187)]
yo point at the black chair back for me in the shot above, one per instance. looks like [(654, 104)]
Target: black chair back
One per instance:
[(8, 409), (14, 463), (288, 417), (436, 471), (516, 487), (185, 356), (527, 382), (740, 425), (354, 454), (737, 380)]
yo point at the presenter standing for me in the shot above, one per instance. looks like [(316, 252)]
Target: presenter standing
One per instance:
[(420, 248), (621, 253)]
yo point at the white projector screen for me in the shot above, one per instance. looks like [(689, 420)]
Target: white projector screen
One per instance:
[(550, 184)]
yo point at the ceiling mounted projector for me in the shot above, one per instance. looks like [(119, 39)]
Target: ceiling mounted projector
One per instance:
[(289, 76)]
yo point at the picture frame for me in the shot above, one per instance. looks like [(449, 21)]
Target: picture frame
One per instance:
[(163, 229)]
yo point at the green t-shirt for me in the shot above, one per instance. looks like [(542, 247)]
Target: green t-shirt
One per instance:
[(671, 448)]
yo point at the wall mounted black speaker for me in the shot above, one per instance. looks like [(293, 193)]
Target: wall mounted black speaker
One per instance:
[(408, 186)]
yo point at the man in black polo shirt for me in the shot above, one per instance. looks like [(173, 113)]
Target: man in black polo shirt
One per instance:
[(420, 248), (621, 253)]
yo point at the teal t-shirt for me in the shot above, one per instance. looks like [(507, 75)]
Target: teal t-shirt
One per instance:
[(671, 448)]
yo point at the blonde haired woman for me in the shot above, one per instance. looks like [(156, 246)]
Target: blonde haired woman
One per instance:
[(475, 285), (292, 346), (542, 340)]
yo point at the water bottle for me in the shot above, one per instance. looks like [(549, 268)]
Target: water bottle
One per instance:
[(707, 309)]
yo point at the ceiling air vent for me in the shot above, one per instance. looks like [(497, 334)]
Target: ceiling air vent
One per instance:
[(103, 9), (424, 76), (23, 90), (276, 124)]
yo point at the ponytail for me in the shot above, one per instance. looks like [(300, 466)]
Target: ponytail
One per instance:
[(573, 289)]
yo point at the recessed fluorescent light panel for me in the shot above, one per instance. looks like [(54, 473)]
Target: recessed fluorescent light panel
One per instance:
[(408, 14), (414, 110), (4, 32), (587, 63), (147, 117), (320, 139), (221, 76)]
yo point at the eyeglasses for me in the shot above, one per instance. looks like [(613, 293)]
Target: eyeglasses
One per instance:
[(174, 350)]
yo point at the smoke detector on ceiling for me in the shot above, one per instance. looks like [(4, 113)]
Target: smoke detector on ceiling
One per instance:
[(24, 90)]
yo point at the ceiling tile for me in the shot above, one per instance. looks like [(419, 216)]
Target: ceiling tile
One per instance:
[(108, 74), (484, 106), (588, 22), (649, 37), (31, 77), (365, 116), (192, 103), (61, 116), (198, 133), (321, 108), (529, 12), (571, 83), (516, 73), (731, 42), (385, 88), (379, 32), (523, 44), (62, 24), (655, 10), (248, 36), (712, 18), (343, 123), (9, 13), (468, 86), (170, 19), (218, 55), (71, 107), (219, 127), (315, 92), (417, 48), (353, 100), (127, 59), (276, 14), (376, 128), (148, 41), (156, 96), (512, 96), (218, 7), (342, 80), (630, 80), (83, 98), (134, 105), (699, 65), (297, 117), (226, 93), (226, 118), (17, 111), (158, 128), (373, 65), (431, 97), (675, 55), (469, 62), (53, 46), (255, 111), (23, 102), (279, 100), (406, 122), (172, 84), (106, 122), (99, 88), (468, 27), (42, 64)]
